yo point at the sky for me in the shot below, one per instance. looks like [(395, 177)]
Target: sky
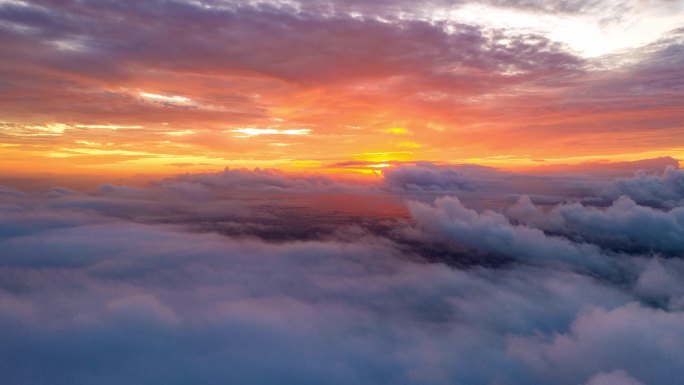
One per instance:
[(162, 87), (342, 192)]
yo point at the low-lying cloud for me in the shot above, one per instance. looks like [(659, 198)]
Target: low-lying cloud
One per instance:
[(193, 280)]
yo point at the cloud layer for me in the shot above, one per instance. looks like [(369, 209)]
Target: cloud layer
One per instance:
[(193, 279)]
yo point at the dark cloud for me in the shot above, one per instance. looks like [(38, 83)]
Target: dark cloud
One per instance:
[(256, 181), (238, 63), (110, 296), (449, 221), (623, 225), (487, 187), (430, 177), (293, 46), (658, 190), (661, 283), (604, 169)]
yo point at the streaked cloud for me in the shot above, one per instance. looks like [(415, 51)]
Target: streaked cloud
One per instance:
[(106, 126), (397, 131), (166, 99), (464, 85), (251, 131)]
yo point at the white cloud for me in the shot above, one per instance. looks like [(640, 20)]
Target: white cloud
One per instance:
[(164, 99), (605, 28)]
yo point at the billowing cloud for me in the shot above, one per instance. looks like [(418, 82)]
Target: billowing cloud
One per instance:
[(247, 275), (624, 225), (659, 190), (449, 221), (359, 310)]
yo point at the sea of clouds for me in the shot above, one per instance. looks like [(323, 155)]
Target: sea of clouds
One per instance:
[(471, 276)]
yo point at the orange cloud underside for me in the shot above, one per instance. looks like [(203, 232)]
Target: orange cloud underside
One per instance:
[(316, 129)]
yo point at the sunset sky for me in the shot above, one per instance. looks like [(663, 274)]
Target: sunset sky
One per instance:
[(162, 87), (341, 192)]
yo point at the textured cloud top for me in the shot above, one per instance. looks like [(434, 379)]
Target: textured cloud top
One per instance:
[(435, 275)]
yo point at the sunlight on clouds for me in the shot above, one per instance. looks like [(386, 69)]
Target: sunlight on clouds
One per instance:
[(382, 157), (250, 131), (105, 126), (589, 34), (525, 162), (74, 45), (163, 99), (168, 163), (180, 133), (305, 164), (88, 143), (54, 129), (397, 131), (50, 128), (409, 145), (70, 152)]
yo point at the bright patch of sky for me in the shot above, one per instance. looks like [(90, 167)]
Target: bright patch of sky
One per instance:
[(174, 99), (589, 34), (247, 132)]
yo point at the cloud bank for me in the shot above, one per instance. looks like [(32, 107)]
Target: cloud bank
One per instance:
[(190, 279)]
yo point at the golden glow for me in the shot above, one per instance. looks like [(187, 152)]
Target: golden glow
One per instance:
[(174, 99), (409, 145), (180, 133), (49, 129), (381, 157), (310, 115), (397, 131), (105, 126)]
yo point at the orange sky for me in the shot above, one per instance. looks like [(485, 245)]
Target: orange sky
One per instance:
[(192, 86)]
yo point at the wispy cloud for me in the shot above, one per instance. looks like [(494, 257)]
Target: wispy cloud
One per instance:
[(447, 80), (250, 131), (166, 99)]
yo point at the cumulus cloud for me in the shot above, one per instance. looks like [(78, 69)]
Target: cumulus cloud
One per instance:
[(330, 312), (430, 177), (658, 190), (257, 181), (643, 341), (286, 38), (624, 225), (449, 221), (155, 284)]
